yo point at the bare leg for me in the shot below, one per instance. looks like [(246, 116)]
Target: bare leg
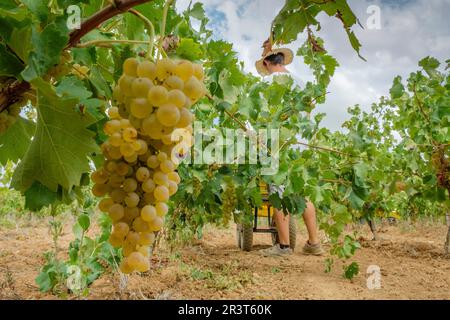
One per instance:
[(282, 223), (309, 216)]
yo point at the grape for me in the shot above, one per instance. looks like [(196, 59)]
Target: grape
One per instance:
[(148, 185), (115, 241), (117, 96), (112, 127), (162, 156), (153, 162), (148, 213), (164, 68), (167, 166), (99, 190), (105, 204), (140, 108), (161, 193), (184, 70), (142, 174), (132, 200), (168, 115), (186, 118), (113, 113), (126, 149), (129, 185), (161, 209), (131, 159), (174, 82), (158, 95), (120, 230), (147, 69), (131, 213), (100, 176), (173, 176), (140, 87), (140, 225), (129, 134), (122, 168), (125, 84), (198, 72), (130, 67), (125, 267), (116, 212), (173, 188), (177, 98), (116, 139), (118, 195), (157, 224), (193, 89), (160, 178), (146, 238)]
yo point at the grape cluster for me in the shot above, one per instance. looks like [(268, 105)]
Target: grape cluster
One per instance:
[(229, 202), (149, 130)]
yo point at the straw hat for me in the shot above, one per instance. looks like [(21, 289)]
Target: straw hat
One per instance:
[(288, 58)]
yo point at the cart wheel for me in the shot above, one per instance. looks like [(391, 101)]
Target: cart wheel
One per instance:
[(244, 236), (292, 234)]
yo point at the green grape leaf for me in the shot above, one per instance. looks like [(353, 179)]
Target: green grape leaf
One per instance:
[(15, 141), (10, 65), (84, 221), (39, 196), (189, 49), (58, 153), (39, 8), (397, 89), (47, 46), (197, 11), (73, 87)]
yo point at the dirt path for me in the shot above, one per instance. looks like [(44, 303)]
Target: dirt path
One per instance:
[(411, 262)]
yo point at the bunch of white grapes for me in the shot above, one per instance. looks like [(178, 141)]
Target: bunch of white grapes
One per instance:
[(149, 131)]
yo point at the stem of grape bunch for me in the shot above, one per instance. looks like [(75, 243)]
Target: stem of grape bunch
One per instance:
[(163, 27)]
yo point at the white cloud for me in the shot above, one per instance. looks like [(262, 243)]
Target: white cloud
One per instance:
[(411, 30)]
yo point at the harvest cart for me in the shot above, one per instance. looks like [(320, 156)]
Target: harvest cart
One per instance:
[(244, 232)]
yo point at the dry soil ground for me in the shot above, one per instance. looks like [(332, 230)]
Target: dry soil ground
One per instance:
[(410, 257)]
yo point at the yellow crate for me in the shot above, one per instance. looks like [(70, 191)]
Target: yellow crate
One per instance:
[(263, 211)]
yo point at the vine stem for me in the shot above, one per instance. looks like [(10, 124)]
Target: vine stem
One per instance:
[(163, 26), (106, 43), (93, 22), (151, 29)]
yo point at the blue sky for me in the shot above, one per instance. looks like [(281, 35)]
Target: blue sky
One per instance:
[(410, 30)]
